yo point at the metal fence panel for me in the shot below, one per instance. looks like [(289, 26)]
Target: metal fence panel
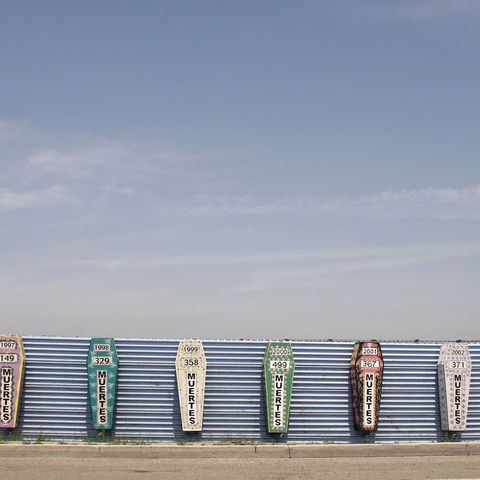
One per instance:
[(55, 402)]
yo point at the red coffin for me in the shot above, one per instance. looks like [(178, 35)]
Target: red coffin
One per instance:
[(366, 375)]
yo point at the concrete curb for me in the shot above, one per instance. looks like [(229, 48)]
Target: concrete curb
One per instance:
[(50, 450), (380, 450), (159, 451), (176, 451)]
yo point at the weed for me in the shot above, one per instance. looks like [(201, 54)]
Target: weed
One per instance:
[(227, 440), (369, 439), (449, 437), (103, 436), (243, 441), (139, 441), (186, 438), (126, 441), (180, 441), (87, 439), (119, 441), (14, 436), (326, 440), (40, 438)]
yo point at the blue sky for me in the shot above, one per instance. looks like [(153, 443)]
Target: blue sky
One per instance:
[(242, 169)]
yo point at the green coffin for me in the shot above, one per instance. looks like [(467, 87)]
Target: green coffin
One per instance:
[(102, 364), (278, 369)]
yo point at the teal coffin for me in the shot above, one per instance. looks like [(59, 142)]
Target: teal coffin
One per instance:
[(102, 364)]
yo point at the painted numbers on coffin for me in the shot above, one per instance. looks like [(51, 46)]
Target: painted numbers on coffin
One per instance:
[(278, 368), (12, 366), (191, 368), (366, 375), (102, 365), (454, 370)]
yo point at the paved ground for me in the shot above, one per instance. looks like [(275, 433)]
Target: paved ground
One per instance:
[(403, 468)]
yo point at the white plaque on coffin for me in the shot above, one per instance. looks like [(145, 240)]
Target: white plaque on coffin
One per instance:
[(454, 370), (191, 367)]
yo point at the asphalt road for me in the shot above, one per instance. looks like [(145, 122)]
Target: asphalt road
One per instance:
[(403, 468)]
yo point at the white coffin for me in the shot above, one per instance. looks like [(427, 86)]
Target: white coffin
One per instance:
[(454, 371), (191, 367)]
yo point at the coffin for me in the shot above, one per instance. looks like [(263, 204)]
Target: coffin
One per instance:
[(12, 366), (454, 370), (366, 375), (191, 368), (102, 366), (278, 369)]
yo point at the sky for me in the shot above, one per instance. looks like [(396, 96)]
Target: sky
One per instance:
[(251, 169)]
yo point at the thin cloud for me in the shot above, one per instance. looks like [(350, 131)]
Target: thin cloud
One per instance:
[(114, 188), (104, 162), (350, 262), (104, 152), (260, 271), (100, 154), (422, 252), (164, 178), (11, 200), (439, 203), (393, 255)]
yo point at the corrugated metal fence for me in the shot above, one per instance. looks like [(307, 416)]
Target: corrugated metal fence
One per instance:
[(55, 402)]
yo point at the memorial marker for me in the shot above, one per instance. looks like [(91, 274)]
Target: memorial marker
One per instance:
[(12, 367), (278, 368), (191, 368), (102, 366), (454, 370), (366, 375)]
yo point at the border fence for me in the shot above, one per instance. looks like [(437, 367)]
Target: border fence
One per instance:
[(55, 400)]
